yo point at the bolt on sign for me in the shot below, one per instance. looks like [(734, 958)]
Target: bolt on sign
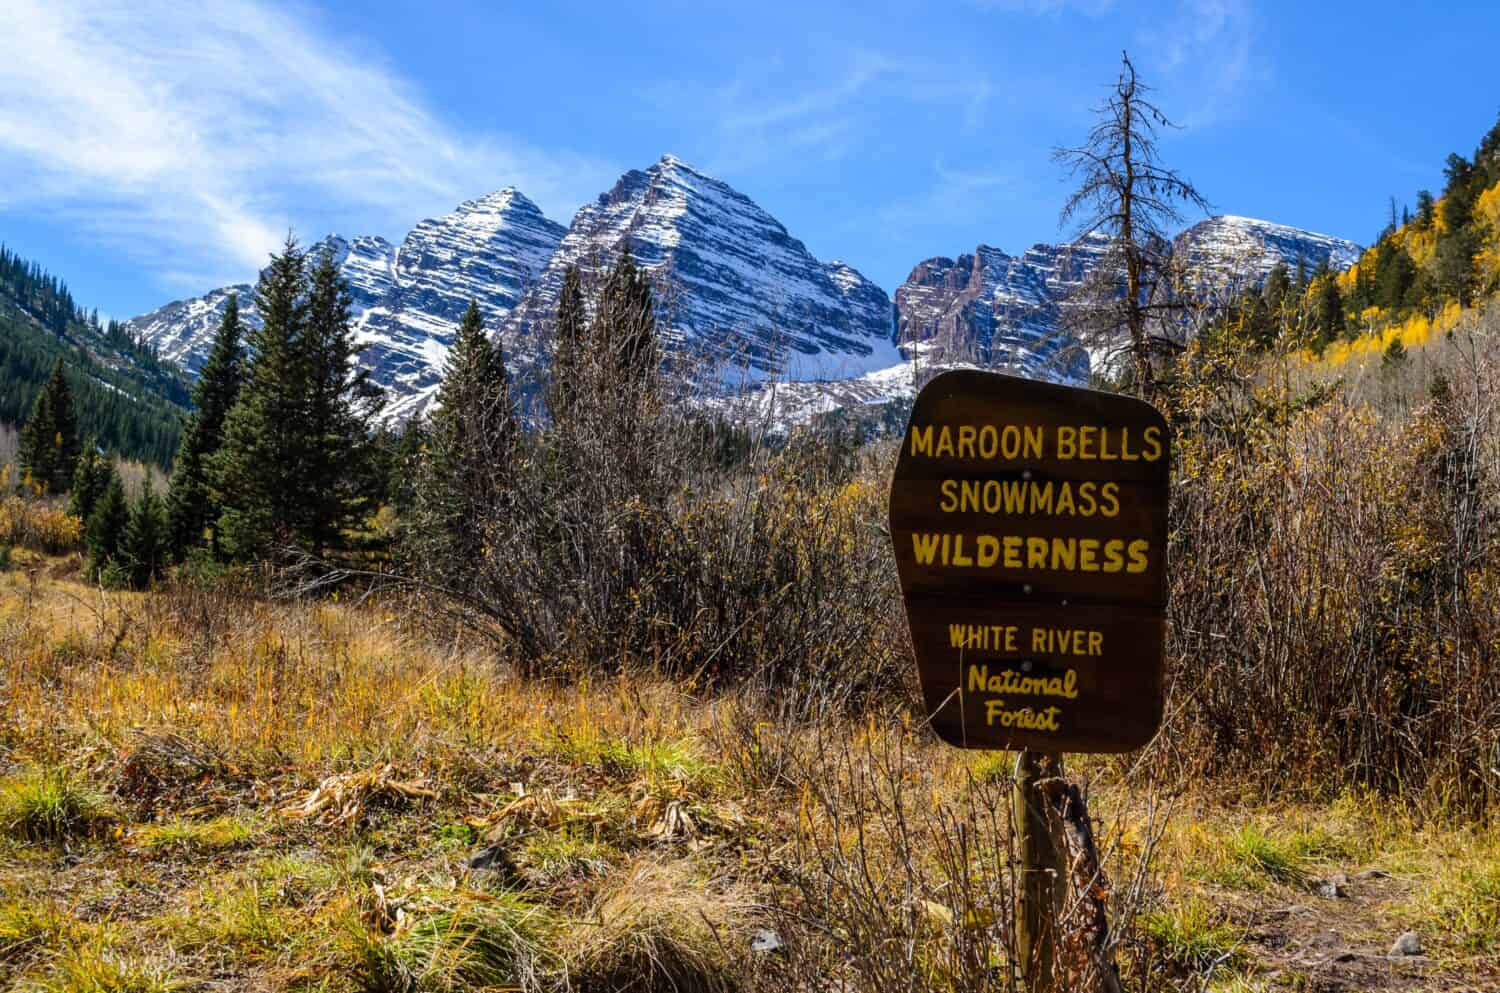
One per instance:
[(1030, 529)]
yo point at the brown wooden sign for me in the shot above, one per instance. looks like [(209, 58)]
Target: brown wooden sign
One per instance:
[(1030, 529)]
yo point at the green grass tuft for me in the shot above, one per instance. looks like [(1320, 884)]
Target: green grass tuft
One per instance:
[(1265, 855), (214, 835), (498, 942), (50, 804), (93, 970), (1193, 936)]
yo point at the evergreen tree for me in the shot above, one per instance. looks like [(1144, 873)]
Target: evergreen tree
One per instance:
[(256, 476), (568, 345), (341, 402), (625, 324), (1330, 311), (106, 525), (467, 457), (49, 445), (1426, 208), (189, 507), (89, 481), (144, 545)]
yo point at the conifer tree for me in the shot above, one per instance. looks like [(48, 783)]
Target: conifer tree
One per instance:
[(469, 443), (144, 546), (189, 507), (341, 402), (106, 525), (568, 344), (1330, 311), (256, 476), (89, 481), (49, 445), (625, 325)]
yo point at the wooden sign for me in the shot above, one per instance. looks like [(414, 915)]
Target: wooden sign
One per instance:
[(1030, 530)]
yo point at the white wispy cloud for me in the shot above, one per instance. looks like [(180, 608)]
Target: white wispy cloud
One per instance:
[(951, 196), (1206, 51), (196, 135), (756, 117)]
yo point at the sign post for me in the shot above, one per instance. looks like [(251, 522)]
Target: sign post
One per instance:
[(1029, 522)]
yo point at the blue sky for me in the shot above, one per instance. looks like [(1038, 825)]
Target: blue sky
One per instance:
[(152, 150)]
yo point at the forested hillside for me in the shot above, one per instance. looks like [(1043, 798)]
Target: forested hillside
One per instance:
[(127, 398), (1425, 270)]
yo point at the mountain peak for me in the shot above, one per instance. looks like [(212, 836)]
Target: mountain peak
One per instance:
[(750, 292), (507, 199)]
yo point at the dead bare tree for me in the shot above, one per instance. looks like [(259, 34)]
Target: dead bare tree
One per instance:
[(1127, 194)]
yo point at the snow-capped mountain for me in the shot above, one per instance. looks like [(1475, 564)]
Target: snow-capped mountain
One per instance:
[(1002, 311), (1229, 249), (738, 288), (997, 310), (407, 301)]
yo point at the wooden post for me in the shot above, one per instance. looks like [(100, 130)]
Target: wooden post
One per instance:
[(1038, 886)]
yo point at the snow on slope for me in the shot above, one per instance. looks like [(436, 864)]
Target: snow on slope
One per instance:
[(407, 301), (1231, 248), (739, 288)]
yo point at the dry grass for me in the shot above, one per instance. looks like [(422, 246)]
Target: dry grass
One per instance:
[(627, 836)]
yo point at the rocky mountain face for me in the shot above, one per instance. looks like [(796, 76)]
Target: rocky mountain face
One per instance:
[(1004, 312), (738, 292), (1228, 249), (737, 288), (408, 301), (996, 310)]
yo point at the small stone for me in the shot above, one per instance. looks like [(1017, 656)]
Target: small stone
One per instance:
[(1335, 887), (1374, 874), (492, 857), (766, 941), (1408, 944)]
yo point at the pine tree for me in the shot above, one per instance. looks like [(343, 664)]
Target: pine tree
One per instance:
[(1426, 208), (49, 445), (256, 475), (89, 481), (568, 344), (341, 402), (189, 506), (467, 456), (106, 525), (625, 324), (144, 546), (1330, 311)]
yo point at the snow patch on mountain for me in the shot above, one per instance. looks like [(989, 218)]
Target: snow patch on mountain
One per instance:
[(737, 288)]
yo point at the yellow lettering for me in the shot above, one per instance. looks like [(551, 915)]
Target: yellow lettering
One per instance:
[(966, 435), (1109, 493), (1153, 443), (1088, 555), (949, 490), (1067, 442), (921, 440), (1064, 503)]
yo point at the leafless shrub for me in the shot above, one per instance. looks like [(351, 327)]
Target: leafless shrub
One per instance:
[(1333, 566)]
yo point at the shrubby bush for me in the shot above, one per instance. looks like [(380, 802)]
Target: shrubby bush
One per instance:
[(636, 531), (1333, 617)]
